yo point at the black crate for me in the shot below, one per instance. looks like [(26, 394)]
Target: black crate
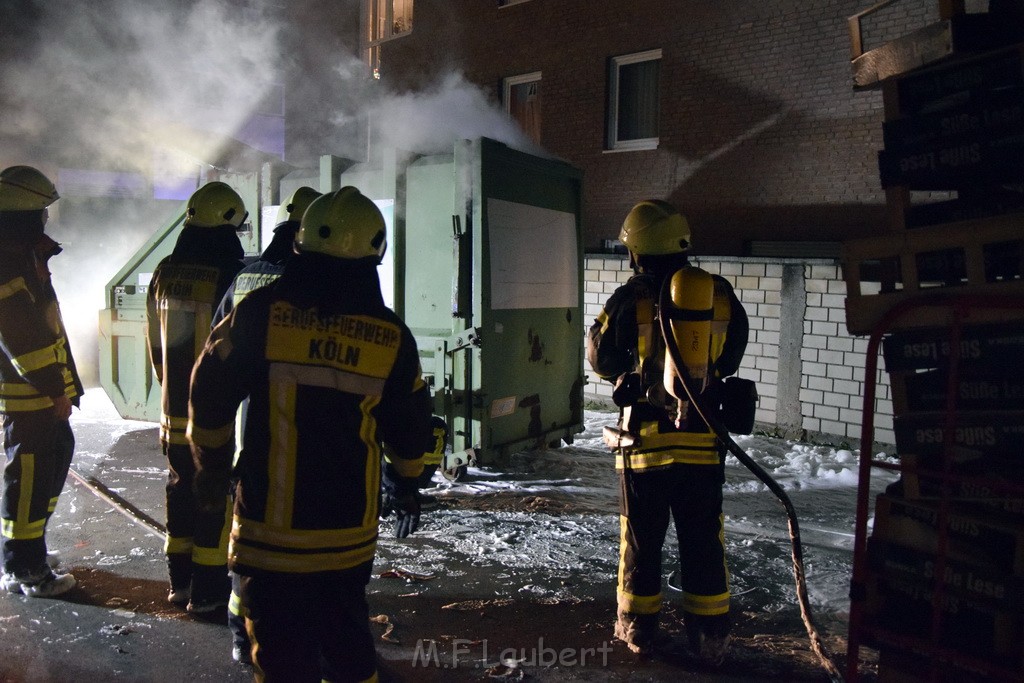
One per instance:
[(982, 115), (934, 87), (970, 204), (955, 163), (997, 490), (997, 347), (976, 389), (985, 539), (909, 665), (972, 627), (977, 437), (988, 588)]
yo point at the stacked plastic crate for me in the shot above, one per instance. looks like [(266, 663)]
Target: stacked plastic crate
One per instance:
[(938, 587)]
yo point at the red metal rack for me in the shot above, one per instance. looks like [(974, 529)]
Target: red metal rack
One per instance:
[(941, 662)]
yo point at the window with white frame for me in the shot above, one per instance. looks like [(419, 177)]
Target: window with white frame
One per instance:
[(633, 101), (384, 20), (388, 19), (521, 95)]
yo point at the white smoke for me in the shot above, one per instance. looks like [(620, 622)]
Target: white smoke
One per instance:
[(94, 92), (107, 83), (134, 87), (434, 119)]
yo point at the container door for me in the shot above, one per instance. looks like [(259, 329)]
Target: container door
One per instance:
[(528, 299)]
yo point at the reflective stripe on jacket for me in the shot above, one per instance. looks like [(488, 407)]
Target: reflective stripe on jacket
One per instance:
[(35, 357), (325, 391), (626, 338), (180, 306)]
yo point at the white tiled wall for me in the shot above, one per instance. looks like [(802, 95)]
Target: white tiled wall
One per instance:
[(834, 362), (831, 362), (602, 275)]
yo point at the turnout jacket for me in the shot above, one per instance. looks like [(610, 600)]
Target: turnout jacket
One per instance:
[(185, 289), (625, 346), (261, 272), (333, 378), (35, 356)]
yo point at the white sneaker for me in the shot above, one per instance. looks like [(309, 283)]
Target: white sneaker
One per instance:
[(179, 596), (49, 586), (9, 583), (53, 559), (241, 655)]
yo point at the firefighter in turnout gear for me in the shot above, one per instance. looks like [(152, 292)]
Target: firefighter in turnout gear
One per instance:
[(432, 460), (269, 266), (38, 385), (258, 274), (333, 381), (669, 461), (185, 290)]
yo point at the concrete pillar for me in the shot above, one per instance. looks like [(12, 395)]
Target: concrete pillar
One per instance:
[(791, 337)]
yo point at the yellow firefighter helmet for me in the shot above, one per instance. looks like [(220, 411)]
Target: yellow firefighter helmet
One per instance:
[(343, 224), (23, 188), (215, 204), (296, 205), (654, 227)]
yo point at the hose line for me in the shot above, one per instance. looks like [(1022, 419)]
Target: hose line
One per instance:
[(123, 506), (817, 645)]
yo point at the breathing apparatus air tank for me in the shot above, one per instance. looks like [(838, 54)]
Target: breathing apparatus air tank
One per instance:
[(690, 311)]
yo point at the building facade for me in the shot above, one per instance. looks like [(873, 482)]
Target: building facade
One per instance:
[(743, 114)]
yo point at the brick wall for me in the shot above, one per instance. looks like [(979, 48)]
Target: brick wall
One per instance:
[(816, 391), (762, 136), (833, 364)]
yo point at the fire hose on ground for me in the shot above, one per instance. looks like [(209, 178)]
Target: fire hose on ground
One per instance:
[(123, 506), (817, 645)]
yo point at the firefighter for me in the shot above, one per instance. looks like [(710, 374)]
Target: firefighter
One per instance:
[(668, 459), (333, 381), (432, 460), (262, 272), (38, 385), (271, 262), (185, 290)]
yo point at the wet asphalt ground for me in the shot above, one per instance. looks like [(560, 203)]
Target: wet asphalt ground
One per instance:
[(116, 622), (488, 572)]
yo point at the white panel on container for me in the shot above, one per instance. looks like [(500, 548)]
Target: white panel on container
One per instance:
[(534, 256), (268, 221), (386, 270)]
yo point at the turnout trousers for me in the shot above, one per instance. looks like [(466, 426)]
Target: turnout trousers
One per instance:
[(692, 496), (197, 542), (310, 627), (236, 615), (39, 448)]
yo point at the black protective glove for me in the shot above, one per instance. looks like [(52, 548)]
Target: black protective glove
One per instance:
[(211, 490), (628, 389), (407, 512)]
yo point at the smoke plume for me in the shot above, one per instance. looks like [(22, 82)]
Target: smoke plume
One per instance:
[(433, 119), (108, 97), (100, 95)]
